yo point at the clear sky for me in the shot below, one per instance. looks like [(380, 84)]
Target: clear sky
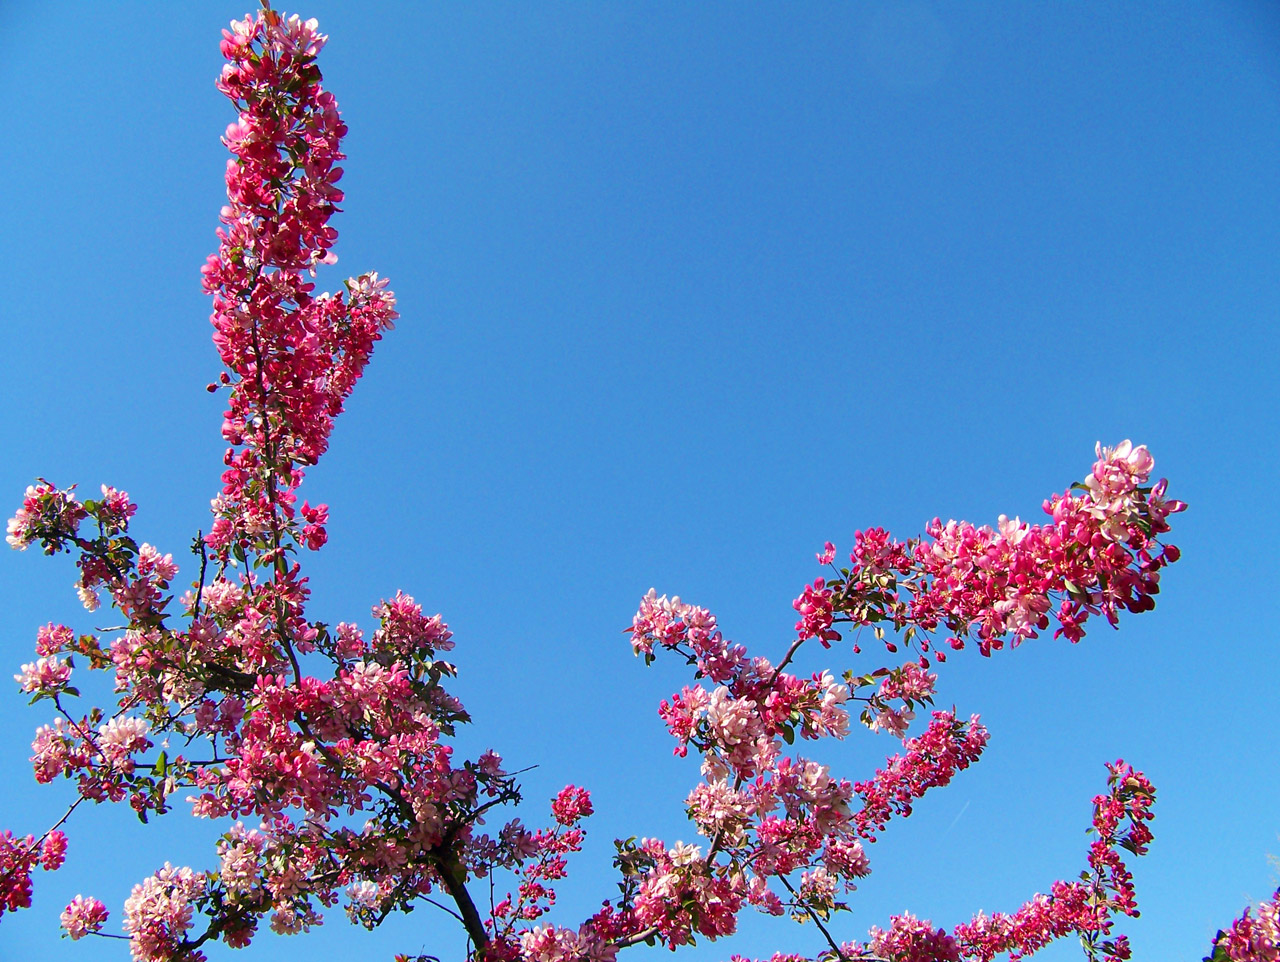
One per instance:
[(686, 290)]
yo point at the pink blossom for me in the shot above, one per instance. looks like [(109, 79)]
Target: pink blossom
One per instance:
[(1253, 939), (45, 674), (818, 889), (52, 639), (816, 613), (405, 629), (733, 721), (490, 763), (82, 916), (909, 939), (910, 683), (240, 853), (846, 858), (571, 805), (151, 562), (717, 808), (121, 737), (47, 515), (53, 851), (892, 720), (157, 913), (551, 944)]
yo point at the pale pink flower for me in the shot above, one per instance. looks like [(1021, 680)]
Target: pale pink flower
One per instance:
[(913, 940), (82, 916), (908, 682), (490, 763), (151, 562), (733, 721), (88, 597), (46, 674), (759, 894), (684, 854), (286, 920), (222, 597), (240, 854), (364, 893), (1013, 530), (157, 913), (715, 807), (121, 737), (16, 531), (53, 753), (1022, 613), (550, 944), (296, 37), (350, 641), (893, 721)]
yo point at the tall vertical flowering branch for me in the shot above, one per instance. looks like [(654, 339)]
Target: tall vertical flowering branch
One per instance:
[(348, 773), (335, 742)]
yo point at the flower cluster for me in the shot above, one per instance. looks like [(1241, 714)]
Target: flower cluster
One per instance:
[(930, 760), (1085, 908), (1099, 554), (158, 914), (292, 356), (539, 859), (1251, 939), (768, 815), (83, 916), (19, 857), (909, 939), (47, 515)]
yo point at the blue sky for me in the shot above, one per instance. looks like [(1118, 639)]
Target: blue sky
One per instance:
[(687, 290)]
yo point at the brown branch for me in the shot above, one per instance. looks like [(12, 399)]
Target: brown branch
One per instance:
[(636, 938), (453, 875), (814, 916)]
